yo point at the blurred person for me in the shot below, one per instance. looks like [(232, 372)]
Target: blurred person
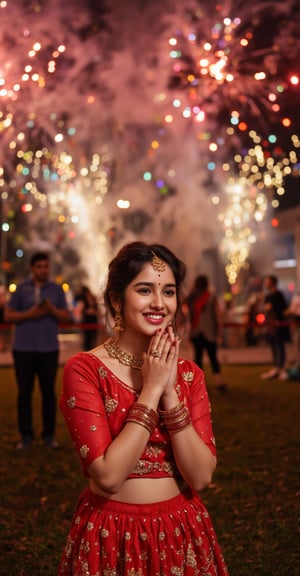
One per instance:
[(4, 333), (36, 308), (294, 313), (276, 310), (133, 406), (86, 311), (206, 327)]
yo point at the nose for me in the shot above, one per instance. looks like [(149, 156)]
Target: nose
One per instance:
[(157, 301)]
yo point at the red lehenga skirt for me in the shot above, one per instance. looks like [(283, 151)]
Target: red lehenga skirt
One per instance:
[(174, 537)]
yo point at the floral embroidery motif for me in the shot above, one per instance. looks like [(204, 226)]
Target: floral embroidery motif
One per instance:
[(177, 571), (110, 405), (154, 449), (84, 546), (84, 449), (144, 536), (90, 526), (144, 467), (102, 372), (188, 376), (104, 533), (191, 557), (93, 428), (71, 402), (69, 547)]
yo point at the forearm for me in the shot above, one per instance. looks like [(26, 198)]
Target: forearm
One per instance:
[(194, 460), (60, 315), (110, 471), (121, 456), (14, 316)]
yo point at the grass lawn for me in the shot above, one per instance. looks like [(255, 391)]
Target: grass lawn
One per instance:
[(253, 501)]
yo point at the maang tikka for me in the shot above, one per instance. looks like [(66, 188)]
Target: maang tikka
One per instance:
[(157, 263)]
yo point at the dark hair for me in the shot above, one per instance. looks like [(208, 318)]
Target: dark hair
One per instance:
[(273, 279), (38, 257), (129, 262), (201, 283)]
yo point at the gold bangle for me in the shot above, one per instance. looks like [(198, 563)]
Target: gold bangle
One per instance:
[(176, 418), (141, 423), (144, 416)]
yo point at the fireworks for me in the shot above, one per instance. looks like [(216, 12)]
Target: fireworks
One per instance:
[(102, 121), (230, 76)]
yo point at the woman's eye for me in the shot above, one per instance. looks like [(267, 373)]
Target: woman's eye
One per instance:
[(144, 290), (170, 292)]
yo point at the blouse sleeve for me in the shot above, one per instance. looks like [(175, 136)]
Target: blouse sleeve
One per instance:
[(83, 409), (200, 408)]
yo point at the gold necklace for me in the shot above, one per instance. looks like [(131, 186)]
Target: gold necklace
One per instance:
[(114, 351)]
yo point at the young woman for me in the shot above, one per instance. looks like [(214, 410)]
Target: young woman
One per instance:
[(139, 417)]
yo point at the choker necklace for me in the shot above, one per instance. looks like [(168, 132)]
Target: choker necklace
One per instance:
[(114, 351)]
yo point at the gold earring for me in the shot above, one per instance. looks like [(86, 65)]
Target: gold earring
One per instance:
[(118, 327)]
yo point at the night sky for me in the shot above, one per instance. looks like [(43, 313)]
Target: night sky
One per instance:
[(171, 120)]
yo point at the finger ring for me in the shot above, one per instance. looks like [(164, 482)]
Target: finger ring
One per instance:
[(155, 353)]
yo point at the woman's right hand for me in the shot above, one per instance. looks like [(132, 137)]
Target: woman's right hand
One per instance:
[(158, 366)]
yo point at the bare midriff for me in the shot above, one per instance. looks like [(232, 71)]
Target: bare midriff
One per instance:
[(144, 490)]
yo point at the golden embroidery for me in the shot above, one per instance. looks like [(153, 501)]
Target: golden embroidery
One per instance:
[(144, 536), (84, 449), (191, 557), (90, 526), (71, 402), (144, 467), (85, 546), (104, 533), (161, 536), (77, 520), (127, 535), (154, 449), (93, 428), (69, 547), (188, 376), (110, 572), (85, 568), (177, 571), (102, 372), (110, 405)]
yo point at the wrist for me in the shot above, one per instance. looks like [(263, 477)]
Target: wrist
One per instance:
[(149, 399), (169, 400)]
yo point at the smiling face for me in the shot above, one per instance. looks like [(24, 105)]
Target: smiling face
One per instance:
[(150, 301)]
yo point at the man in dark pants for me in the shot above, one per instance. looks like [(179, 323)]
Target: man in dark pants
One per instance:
[(37, 306)]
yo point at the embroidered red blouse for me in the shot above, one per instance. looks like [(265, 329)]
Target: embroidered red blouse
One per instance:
[(95, 404)]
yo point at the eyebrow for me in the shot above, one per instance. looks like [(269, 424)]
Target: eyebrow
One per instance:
[(170, 285)]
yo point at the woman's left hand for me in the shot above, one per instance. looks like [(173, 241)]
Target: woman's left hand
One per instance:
[(170, 396)]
